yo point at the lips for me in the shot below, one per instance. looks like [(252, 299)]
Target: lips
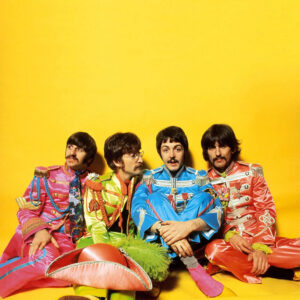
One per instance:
[(219, 159), (173, 162), (72, 157)]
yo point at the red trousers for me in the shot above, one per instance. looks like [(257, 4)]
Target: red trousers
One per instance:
[(286, 255)]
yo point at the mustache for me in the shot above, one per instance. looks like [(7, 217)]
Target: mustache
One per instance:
[(222, 157), (172, 160), (140, 166), (72, 156)]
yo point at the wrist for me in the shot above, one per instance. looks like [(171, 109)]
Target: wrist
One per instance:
[(229, 234), (156, 227), (195, 225), (262, 247)]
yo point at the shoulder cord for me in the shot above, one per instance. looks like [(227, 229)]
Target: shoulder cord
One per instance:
[(51, 199), (36, 201), (103, 210)]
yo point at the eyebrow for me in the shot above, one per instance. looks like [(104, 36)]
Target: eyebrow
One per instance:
[(175, 146)]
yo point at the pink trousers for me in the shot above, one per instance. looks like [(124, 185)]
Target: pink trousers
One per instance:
[(20, 272)]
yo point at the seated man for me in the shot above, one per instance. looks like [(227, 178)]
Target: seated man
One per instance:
[(50, 220), (250, 244), (107, 202), (175, 204)]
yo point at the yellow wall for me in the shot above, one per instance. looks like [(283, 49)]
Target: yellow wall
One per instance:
[(104, 66)]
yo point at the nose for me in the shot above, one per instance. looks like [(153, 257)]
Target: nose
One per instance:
[(140, 159), (73, 150), (218, 152), (172, 153)]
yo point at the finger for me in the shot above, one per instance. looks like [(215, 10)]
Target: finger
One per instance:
[(42, 245), (263, 265), (246, 249), (166, 223), (255, 268), (166, 237), (54, 242), (174, 248), (186, 247), (181, 250), (33, 249), (237, 247), (171, 239), (189, 250)]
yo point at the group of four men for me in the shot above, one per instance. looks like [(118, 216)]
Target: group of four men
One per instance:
[(173, 205)]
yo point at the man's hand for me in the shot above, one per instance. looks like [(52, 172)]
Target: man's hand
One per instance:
[(240, 244), (260, 262), (182, 248), (173, 231), (40, 240)]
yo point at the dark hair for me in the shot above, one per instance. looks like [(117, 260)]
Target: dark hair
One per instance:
[(118, 144), (224, 135), (175, 134), (86, 142)]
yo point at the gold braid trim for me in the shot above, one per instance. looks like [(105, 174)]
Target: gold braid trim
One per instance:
[(32, 224), (103, 210)]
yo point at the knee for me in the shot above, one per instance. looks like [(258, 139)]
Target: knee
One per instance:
[(212, 247), (47, 254)]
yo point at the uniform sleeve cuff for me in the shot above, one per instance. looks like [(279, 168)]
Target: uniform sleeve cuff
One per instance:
[(229, 234), (262, 247), (32, 226)]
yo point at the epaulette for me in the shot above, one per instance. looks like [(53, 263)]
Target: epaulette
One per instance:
[(157, 170), (94, 182), (192, 170), (106, 176), (257, 170), (202, 178), (244, 163), (147, 178), (93, 177), (44, 171)]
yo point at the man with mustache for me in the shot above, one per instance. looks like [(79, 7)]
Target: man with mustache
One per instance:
[(50, 219), (175, 205), (250, 245), (107, 202)]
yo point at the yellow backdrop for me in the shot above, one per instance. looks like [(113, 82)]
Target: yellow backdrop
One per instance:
[(104, 66)]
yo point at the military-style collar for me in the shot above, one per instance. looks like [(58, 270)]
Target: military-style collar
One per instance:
[(227, 171), (178, 172)]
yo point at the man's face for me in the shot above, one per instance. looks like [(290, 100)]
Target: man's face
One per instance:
[(220, 156), (75, 157), (172, 155), (131, 164)]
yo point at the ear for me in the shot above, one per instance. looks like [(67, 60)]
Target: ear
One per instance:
[(118, 163)]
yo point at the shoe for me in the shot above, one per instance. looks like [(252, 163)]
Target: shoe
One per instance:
[(151, 295), (296, 276), (209, 286)]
